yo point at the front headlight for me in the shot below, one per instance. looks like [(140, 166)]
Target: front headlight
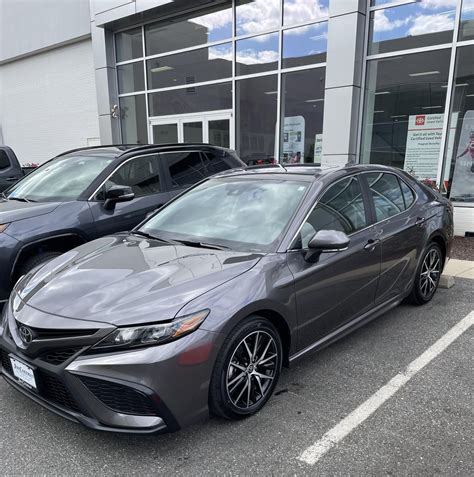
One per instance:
[(3, 227), (153, 334)]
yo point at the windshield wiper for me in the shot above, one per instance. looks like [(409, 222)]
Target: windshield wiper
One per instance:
[(21, 199), (149, 236), (192, 243)]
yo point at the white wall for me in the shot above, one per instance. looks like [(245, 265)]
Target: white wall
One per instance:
[(30, 25), (48, 102)]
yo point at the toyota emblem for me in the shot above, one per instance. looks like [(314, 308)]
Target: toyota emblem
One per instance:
[(26, 334)]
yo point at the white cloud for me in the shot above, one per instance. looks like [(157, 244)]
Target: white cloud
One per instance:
[(215, 20), (306, 29), (425, 24), (300, 11), (256, 16), (246, 57), (253, 57), (383, 23), (433, 4)]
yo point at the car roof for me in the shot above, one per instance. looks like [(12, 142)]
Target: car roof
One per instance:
[(304, 171), (118, 150)]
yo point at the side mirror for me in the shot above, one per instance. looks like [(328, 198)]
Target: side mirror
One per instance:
[(117, 193), (326, 241)]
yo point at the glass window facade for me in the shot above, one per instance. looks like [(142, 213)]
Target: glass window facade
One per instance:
[(414, 25), (404, 111), (260, 67), (191, 30), (409, 120), (255, 64), (458, 178), (302, 111), (256, 118)]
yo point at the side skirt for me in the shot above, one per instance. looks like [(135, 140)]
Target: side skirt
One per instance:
[(349, 327)]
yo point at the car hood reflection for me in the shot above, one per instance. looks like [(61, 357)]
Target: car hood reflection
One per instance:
[(126, 279)]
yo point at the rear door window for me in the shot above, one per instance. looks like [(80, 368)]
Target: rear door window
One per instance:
[(186, 167), (386, 194)]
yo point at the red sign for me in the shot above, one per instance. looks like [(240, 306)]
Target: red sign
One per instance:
[(420, 120)]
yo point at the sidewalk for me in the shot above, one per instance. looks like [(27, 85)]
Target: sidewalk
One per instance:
[(456, 269)]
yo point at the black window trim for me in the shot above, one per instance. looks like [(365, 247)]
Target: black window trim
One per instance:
[(371, 200), (365, 198), (92, 197)]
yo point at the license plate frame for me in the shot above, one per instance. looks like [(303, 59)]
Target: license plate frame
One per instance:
[(23, 373)]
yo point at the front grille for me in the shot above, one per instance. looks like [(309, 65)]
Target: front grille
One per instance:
[(52, 389), (59, 356), (49, 387), (51, 333), (120, 398), (6, 363)]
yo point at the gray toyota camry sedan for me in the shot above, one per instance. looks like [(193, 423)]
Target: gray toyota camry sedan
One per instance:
[(198, 308)]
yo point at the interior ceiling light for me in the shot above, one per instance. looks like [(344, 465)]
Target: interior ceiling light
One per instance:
[(160, 69), (424, 73)]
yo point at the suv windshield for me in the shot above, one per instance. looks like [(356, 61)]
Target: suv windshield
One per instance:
[(61, 179), (239, 214)]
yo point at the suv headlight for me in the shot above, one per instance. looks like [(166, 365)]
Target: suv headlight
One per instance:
[(153, 334), (3, 227)]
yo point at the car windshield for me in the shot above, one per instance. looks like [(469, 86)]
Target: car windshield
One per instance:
[(62, 179), (239, 214)]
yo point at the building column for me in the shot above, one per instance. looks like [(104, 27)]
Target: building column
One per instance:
[(345, 56), (105, 78)]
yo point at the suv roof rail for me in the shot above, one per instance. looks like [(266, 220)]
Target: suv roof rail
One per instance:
[(88, 148)]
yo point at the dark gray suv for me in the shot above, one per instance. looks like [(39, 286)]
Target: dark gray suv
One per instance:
[(87, 193), (199, 307)]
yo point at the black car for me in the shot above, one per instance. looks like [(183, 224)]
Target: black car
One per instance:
[(197, 308), (87, 193)]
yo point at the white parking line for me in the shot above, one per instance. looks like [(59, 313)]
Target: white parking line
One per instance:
[(313, 453)]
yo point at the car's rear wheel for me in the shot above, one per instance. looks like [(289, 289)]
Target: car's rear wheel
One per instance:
[(428, 275), (246, 370)]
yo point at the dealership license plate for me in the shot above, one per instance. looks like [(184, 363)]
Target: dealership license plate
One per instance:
[(23, 373)]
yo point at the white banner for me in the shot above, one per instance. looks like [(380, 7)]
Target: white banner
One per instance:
[(424, 136)]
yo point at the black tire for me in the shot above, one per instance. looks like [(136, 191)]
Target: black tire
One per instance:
[(425, 287), (224, 403), (36, 261)]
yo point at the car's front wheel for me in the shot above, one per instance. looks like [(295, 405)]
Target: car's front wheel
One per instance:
[(246, 370), (428, 275)]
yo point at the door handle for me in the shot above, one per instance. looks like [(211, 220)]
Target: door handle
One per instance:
[(11, 179), (371, 244), (420, 221)]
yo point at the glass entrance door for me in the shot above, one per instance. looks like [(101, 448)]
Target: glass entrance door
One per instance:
[(211, 128)]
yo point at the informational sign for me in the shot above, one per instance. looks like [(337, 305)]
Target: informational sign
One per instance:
[(318, 149), (462, 187), (293, 139), (425, 132)]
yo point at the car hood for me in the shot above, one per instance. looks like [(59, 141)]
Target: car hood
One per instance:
[(13, 210), (126, 280)]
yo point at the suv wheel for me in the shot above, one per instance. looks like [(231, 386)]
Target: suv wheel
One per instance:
[(36, 261), (247, 370)]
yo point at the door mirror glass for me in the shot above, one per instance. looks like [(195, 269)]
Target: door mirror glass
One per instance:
[(117, 193), (327, 241)]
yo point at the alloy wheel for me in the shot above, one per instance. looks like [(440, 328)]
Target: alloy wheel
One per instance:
[(252, 369), (430, 272)]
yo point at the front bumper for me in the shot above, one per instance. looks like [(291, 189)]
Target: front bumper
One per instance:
[(155, 389)]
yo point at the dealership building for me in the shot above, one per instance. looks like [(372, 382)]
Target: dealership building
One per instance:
[(317, 81)]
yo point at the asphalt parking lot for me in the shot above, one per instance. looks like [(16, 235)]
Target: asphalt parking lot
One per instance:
[(424, 428)]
